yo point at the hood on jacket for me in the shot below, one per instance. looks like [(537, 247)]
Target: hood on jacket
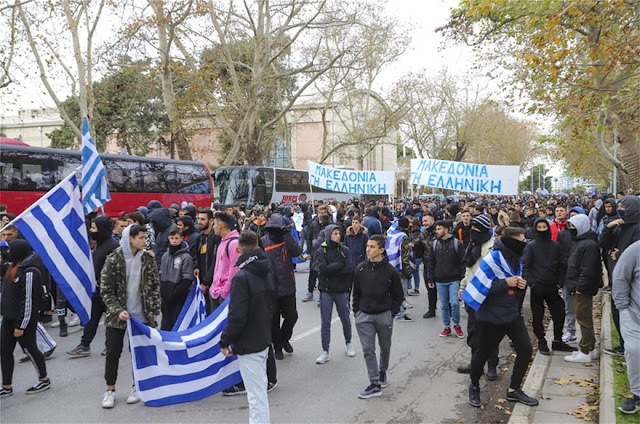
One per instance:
[(363, 230), (153, 205), (611, 201), (191, 211), (577, 209), (541, 235), (19, 249), (125, 244), (599, 204), (105, 228), (255, 262), (287, 211), (581, 222), (328, 230), (275, 221), (161, 219), (144, 211), (632, 209)]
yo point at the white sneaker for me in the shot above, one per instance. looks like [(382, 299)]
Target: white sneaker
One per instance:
[(351, 351), (594, 354), (74, 322), (578, 356), (568, 337), (133, 396), (324, 357), (109, 399), (406, 304)]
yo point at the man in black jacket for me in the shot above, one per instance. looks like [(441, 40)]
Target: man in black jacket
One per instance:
[(248, 330), (204, 253), (335, 279), (377, 296), (445, 269), (541, 267), (101, 230), (500, 315), (312, 232), (280, 246), (584, 278)]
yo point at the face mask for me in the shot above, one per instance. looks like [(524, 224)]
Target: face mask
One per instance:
[(621, 213), (574, 232), (95, 236), (516, 246)]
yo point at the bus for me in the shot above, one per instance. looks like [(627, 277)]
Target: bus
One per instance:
[(27, 173), (235, 185)]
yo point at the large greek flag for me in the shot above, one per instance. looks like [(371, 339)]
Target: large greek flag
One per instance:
[(95, 190), (492, 267), (194, 310), (176, 367), (55, 228)]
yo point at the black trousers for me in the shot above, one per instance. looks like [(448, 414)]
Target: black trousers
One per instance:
[(97, 309), (313, 277), (114, 342), (285, 308), (549, 294), (490, 336), (432, 293), (170, 314), (28, 344), (610, 264), (472, 338)]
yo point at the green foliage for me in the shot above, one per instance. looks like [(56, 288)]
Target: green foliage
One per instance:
[(128, 108), (538, 179)]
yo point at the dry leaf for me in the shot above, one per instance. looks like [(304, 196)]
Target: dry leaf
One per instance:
[(562, 381), (499, 407), (545, 397), (588, 365), (584, 383), (573, 394), (505, 369), (628, 396), (502, 400), (506, 411)]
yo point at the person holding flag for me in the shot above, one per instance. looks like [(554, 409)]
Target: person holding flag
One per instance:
[(495, 294)]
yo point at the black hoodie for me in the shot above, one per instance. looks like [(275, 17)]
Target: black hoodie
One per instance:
[(623, 236), (162, 223), (106, 245), (251, 307), (503, 303), (21, 297), (542, 259), (377, 288)]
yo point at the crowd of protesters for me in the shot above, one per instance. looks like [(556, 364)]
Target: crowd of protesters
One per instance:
[(365, 257)]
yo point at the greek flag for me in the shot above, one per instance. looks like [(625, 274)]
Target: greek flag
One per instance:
[(95, 190), (194, 310), (393, 245), (55, 228), (492, 267), (177, 367)]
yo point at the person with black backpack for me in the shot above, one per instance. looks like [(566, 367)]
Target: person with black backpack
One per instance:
[(21, 295)]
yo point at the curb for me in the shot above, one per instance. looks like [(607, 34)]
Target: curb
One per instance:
[(607, 396), (523, 414)]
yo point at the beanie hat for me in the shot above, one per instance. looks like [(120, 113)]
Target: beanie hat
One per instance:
[(481, 222), (403, 222)]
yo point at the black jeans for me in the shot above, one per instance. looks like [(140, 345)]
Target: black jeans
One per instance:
[(472, 338), (610, 264), (313, 277), (97, 309), (28, 344), (285, 307), (539, 295), (114, 342), (490, 336)]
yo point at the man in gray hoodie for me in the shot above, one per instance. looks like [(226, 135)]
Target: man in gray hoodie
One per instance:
[(626, 296)]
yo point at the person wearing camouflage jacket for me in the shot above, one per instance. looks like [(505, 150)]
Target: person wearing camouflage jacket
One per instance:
[(130, 287)]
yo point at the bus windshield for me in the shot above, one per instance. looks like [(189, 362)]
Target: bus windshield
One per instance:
[(235, 185)]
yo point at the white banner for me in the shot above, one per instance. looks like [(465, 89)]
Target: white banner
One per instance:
[(469, 177), (353, 182)]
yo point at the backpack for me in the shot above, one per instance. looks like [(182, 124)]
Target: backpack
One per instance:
[(226, 248), (456, 245)]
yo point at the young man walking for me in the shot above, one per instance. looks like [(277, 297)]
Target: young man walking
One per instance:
[(377, 296), (445, 269), (248, 330), (130, 288)]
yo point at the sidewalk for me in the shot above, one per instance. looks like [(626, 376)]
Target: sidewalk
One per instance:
[(568, 392)]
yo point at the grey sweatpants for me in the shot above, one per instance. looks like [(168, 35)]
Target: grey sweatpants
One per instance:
[(631, 333), (253, 369), (570, 315), (368, 326)]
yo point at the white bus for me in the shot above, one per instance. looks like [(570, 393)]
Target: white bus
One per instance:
[(234, 185)]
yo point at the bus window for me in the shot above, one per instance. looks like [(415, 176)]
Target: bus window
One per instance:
[(63, 166), (236, 185), (192, 180), (289, 181), (123, 176), (23, 171), (264, 186), (158, 177)]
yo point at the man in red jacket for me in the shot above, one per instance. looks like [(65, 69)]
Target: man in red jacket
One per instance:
[(560, 222)]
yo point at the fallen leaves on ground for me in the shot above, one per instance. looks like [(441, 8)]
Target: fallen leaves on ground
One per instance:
[(562, 381), (573, 394), (502, 400), (545, 397), (628, 396), (585, 383), (583, 412), (587, 364)]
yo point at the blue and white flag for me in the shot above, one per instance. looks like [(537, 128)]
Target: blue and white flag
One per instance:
[(492, 267), (95, 190), (185, 366), (55, 228), (194, 310)]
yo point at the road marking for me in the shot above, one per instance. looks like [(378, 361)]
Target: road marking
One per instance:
[(310, 332)]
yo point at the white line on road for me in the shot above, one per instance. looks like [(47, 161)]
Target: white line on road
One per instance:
[(310, 332)]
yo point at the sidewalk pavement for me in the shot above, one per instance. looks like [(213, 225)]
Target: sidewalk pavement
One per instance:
[(563, 388)]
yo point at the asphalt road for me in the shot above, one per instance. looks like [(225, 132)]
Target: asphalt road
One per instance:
[(424, 385)]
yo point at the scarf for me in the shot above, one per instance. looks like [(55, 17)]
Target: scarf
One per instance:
[(474, 249)]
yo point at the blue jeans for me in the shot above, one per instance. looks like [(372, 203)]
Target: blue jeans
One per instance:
[(416, 274), (448, 295), (326, 310)]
